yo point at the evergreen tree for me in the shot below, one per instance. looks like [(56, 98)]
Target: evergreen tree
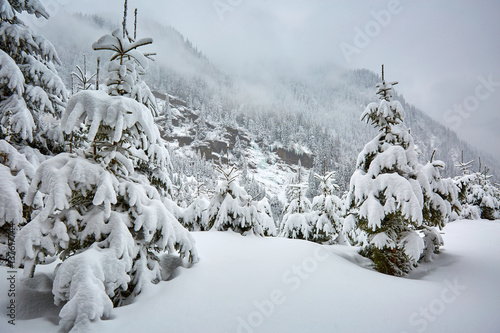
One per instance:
[(232, 208), (385, 198), (298, 218), (464, 179), (277, 209), (238, 148), (440, 200), (32, 95), (104, 213), (126, 67), (480, 198), (194, 217), (484, 195), (328, 227)]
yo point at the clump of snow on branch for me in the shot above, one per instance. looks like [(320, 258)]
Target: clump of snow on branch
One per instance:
[(127, 65), (123, 134)]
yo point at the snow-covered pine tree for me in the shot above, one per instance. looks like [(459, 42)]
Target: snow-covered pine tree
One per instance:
[(440, 200), (464, 179), (182, 190), (265, 214), (32, 95), (15, 175), (385, 199), (298, 217), (480, 198), (102, 214), (484, 195), (328, 206), (238, 147), (194, 217), (232, 208)]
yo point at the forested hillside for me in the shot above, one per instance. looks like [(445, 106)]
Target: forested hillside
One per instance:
[(312, 116)]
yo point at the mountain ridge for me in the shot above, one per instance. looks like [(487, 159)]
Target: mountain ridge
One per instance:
[(318, 112)]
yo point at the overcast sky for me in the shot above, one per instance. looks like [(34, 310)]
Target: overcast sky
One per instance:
[(444, 53)]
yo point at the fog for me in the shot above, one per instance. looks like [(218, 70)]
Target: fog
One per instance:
[(441, 52)]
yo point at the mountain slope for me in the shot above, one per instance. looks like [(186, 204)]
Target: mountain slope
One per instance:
[(312, 116)]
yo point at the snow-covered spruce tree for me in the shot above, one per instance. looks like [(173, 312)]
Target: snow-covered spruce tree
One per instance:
[(385, 199), (480, 198), (484, 195), (127, 66), (232, 208), (298, 218), (182, 191), (101, 214), (32, 95), (15, 175), (194, 217), (440, 200), (463, 183), (328, 206)]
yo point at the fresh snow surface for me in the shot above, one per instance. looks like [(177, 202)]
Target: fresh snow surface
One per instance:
[(255, 284)]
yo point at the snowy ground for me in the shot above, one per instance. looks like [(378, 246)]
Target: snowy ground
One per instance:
[(251, 284)]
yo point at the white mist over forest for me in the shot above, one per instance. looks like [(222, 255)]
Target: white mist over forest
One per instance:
[(439, 51)]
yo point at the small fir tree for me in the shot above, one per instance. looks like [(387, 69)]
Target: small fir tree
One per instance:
[(385, 198), (440, 200), (480, 198), (328, 206), (484, 195), (298, 217), (232, 208)]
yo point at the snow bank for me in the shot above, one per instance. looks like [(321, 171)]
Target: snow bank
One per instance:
[(255, 284)]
